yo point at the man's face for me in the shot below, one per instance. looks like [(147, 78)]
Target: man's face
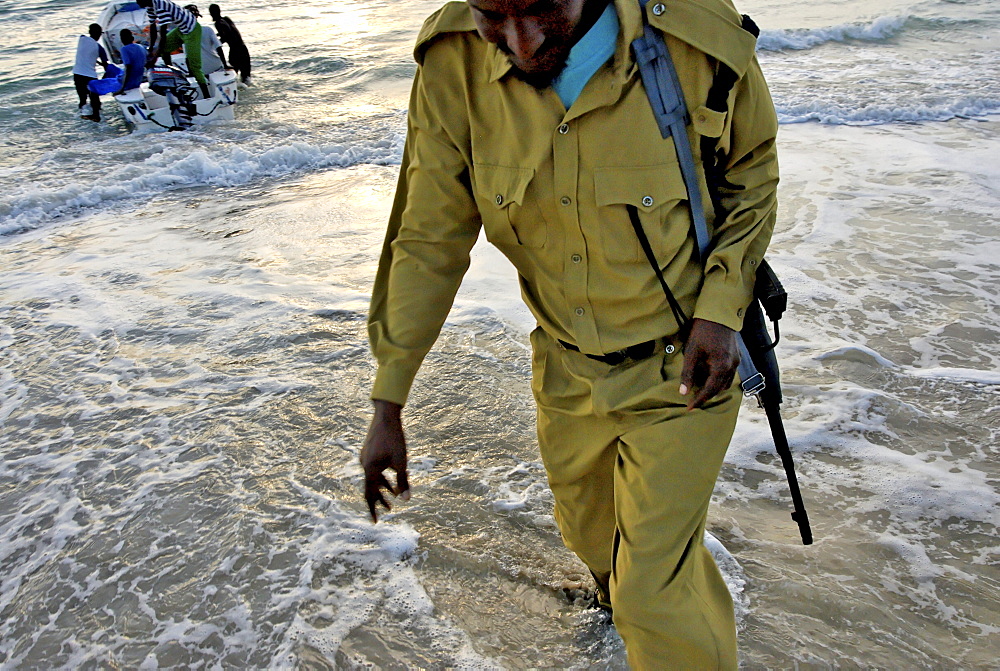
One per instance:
[(536, 35)]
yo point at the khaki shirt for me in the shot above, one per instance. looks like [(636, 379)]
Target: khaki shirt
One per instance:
[(550, 186)]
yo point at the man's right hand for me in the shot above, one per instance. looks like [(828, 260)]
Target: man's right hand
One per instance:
[(385, 447)]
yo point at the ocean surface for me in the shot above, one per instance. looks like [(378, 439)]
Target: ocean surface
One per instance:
[(184, 370)]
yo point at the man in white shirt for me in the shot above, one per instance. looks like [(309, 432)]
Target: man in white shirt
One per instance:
[(212, 57), (89, 52)]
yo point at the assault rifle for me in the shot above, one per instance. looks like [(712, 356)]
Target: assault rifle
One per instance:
[(771, 296)]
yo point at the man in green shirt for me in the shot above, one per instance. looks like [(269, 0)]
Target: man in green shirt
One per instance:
[(634, 416)]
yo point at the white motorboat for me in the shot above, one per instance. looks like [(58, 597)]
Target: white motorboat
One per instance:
[(162, 101)]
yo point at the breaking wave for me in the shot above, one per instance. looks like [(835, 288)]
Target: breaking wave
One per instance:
[(870, 115), (880, 29), (29, 204)]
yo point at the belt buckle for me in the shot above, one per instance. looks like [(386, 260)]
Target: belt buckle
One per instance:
[(636, 352), (616, 358), (642, 350)]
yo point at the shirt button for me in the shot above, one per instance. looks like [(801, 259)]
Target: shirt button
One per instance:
[(647, 201), (669, 349), (565, 200), (702, 118), (658, 9), (576, 258), (563, 129), (739, 313), (499, 199), (579, 312)]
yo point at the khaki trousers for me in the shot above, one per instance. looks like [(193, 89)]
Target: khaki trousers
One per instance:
[(632, 473)]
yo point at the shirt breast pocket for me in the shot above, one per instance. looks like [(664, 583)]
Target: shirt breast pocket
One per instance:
[(658, 194), (510, 214)]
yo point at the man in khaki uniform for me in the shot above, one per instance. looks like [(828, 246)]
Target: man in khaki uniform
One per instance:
[(634, 415)]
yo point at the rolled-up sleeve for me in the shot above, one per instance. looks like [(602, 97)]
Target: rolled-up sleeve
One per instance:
[(432, 228), (749, 203)]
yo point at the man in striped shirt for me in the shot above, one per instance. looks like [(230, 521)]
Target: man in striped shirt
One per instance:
[(186, 30)]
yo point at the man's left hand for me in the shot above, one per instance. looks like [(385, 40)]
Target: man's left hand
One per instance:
[(711, 358)]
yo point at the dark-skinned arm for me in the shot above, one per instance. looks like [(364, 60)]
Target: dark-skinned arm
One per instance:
[(158, 37), (433, 225), (153, 34), (740, 234), (128, 68), (384, 448)]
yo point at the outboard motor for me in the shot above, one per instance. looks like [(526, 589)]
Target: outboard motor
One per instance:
[(170, 82)]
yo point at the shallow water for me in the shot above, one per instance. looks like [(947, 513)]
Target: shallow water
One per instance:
[(184, 374)]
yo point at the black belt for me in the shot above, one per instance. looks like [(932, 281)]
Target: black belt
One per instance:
[(643, 350)]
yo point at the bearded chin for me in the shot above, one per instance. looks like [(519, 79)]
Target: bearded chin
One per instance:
[(540, 80), (543, 79)]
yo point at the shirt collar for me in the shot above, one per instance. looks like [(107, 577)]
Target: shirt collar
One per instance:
[(630, 22), (497, 62)]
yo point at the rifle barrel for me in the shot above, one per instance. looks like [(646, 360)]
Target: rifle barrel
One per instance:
[(799, 515)]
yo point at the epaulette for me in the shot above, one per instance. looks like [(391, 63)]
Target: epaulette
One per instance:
[(711, 26), (453, 17)]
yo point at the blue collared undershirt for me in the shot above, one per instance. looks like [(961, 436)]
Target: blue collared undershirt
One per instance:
[(587, 56)]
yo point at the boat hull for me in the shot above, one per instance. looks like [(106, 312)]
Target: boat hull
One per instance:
[(146, 111)]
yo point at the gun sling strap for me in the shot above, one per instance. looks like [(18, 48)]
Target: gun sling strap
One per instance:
[(659, 78)]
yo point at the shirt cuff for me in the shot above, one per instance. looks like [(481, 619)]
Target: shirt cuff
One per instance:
[(723, 303), (392, 383)]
